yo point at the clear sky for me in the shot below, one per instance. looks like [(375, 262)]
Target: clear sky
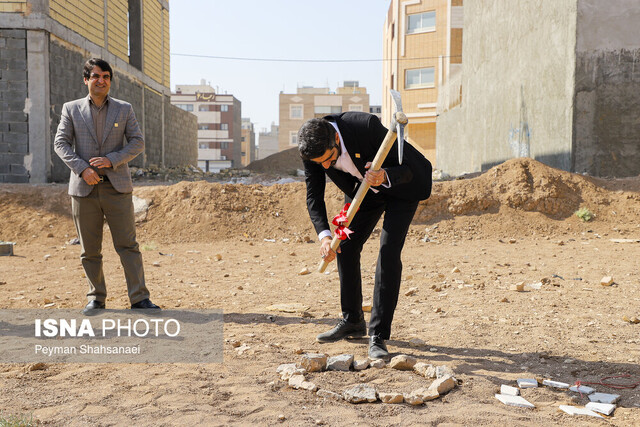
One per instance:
[(276, 29)]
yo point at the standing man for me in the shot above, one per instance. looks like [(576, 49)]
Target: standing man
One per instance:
[(91, 141), (342, 147)]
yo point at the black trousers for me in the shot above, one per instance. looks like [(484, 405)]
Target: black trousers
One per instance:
[(398, 215)]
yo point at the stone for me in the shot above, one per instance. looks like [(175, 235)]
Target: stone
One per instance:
[(307, 385), (425, 369), (328, 394), (443, 385), (604, 397), (366, 306), (413, 399), (518, 401), (314, 362), (518, 287), (402, 362), (606, 281), (288, 370), (304, 272), (527, 383), (444, 371), (281, 417), (360, 393), (416, 342), (426, 394), (603, 408), (377, 363), (574, 410), (340, 363), (633, 319), (582, 389), (391, 397), (509, 391), (455, 270), (360, 365), (296, 381), (410, 292), (555, 384), (217, 257)]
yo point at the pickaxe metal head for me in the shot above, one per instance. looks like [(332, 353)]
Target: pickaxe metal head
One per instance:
[(398, 121)]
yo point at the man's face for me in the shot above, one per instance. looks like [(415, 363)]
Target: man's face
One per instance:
[(99, 82), (330, 157)]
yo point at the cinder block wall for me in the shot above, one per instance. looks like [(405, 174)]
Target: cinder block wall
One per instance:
[(14, 128)]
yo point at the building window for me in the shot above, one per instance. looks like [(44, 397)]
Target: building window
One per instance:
[(224, 108), (224, 126), (421, 22), (293, 137), (419, 77), (326, 109), (355, 107), (203, 146), (185, 107), (203, 108), (296, 111), (203, 127)]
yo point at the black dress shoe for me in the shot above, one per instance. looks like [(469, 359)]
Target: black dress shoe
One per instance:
[(93, 308), (344, 329), (377, 348), (145, 303)]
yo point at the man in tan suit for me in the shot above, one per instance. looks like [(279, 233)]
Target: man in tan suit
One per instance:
[(96, 138)]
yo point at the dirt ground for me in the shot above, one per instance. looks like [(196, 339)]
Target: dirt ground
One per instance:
[(514, 223)]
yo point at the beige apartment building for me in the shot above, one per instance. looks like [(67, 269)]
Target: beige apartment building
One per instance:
[(422, 51), (219, 125), (310, 102), (248, 142)]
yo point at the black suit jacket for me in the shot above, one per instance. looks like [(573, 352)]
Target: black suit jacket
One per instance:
[(363, 134)]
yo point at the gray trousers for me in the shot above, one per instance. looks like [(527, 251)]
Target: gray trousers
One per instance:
[(89, 214)]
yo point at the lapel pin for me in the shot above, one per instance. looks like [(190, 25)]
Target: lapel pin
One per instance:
[(115, 125), (357, 155)]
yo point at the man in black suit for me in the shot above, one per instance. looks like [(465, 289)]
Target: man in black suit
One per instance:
[(342, 147)]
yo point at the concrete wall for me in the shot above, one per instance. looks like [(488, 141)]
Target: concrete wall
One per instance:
[(517, 86), (607, 100), (180, 136)]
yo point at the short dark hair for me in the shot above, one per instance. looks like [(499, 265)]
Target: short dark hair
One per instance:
[(315, 137), (93, 62)]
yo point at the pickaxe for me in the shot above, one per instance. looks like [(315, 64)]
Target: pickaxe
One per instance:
[(398, 122)]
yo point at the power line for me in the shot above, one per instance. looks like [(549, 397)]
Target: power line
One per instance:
[(235, 58)]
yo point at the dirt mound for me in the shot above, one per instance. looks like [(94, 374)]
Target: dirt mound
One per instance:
[(519, 196), (283, 163)]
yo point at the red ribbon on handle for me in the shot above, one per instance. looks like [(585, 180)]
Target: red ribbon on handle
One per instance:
[(342, 231)]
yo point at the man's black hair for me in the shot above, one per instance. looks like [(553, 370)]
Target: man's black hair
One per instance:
[(104, 66), (315, 137)]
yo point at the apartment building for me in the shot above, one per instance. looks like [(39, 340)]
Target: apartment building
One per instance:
[(422, 51), (310, 102), (43, 47), (219, 125), (248, 142), (268, 143)]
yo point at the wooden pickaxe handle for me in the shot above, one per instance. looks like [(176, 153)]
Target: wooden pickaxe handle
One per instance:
[(381, 155)]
